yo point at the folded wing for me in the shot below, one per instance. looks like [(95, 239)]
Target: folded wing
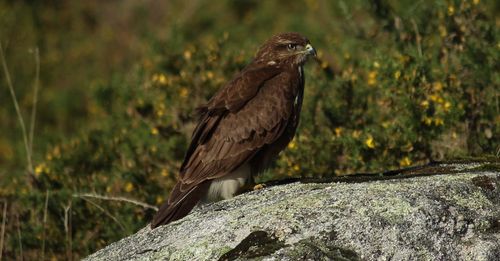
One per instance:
[(250, 112)]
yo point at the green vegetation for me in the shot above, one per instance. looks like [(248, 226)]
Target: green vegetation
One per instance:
[(396, 83)]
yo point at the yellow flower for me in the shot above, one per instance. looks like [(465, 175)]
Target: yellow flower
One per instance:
[(159, 200), (162, 79), (129, 187), (356, 134), (397, 74), (405, 162), (434, 97), (438, 86), (438, 121), (324, 64), (154, 149), (296, 167), (427, 120), (183, 92), (154, 131), (451, 10), (424, 104), (160, 112), (447, 106), (408, 147), (442, 31), (159, 78), (130, 163), (376, 65), (292, 145), (372, 78), (369, 142), (39, 169), (338, 131), (210, 75), (164, 172), (475, 2), (187, 55)]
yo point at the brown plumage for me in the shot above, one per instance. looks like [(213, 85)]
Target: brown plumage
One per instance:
[(243, 127)]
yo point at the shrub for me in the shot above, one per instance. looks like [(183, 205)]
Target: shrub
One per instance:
[(391, 88)]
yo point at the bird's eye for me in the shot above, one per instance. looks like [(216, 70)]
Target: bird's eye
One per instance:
[(291, 46)]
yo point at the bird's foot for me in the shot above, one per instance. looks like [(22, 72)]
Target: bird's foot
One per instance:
[(259, 186)]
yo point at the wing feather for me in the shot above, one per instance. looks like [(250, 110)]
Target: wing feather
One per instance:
[(244, 86), (250, 112), (233, 141)]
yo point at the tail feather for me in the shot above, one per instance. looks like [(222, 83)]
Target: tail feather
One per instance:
[(179, 204)]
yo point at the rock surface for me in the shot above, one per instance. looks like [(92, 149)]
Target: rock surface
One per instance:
[(455, 216)]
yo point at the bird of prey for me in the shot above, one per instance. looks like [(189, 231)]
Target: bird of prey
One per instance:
[(243, 127)]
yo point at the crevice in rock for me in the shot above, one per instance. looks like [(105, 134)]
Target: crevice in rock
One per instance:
[(256, 244)]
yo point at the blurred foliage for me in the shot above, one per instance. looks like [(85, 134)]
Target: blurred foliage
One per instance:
[(396, 83)]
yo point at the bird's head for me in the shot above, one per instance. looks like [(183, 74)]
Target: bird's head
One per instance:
[(285, 49)]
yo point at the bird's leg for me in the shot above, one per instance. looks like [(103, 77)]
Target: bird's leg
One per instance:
[(250, 185), (259, 186)]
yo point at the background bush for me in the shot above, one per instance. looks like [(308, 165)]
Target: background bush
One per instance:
[(396, 83)]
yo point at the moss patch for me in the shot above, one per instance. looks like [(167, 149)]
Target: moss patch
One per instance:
[(392, 210), (474, 201), (491, 166)]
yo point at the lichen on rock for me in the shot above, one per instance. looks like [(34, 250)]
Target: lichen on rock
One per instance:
[(432, 217)]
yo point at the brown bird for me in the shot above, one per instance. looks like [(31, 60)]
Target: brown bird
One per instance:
[(243, 127)]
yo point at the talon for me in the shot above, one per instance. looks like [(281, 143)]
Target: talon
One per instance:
[(259, 186)]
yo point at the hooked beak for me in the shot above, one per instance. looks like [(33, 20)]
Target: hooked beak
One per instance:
[(310, 50)]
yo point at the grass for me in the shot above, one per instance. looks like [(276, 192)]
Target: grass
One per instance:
[(27, 143)]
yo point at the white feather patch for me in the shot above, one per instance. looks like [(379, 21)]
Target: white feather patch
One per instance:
[(227, 186)]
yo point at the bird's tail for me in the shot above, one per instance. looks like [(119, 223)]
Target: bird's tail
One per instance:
[(179, 204)]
